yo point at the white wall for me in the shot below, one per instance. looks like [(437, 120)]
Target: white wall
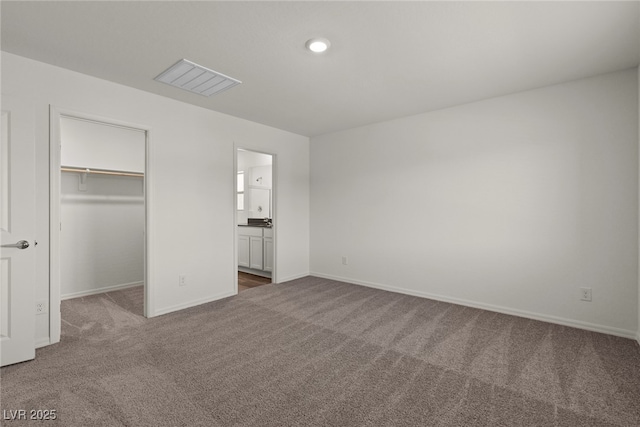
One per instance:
[(512, 203), (94, 145), (249, 159), (191, 178), (102, 235)]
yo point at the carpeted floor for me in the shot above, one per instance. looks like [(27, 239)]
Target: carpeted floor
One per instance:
[(314, 352)]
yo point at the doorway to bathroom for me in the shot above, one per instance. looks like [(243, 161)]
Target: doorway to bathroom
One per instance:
[(255, 231)]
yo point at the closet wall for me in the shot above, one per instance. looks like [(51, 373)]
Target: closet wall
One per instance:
[(102, 236)]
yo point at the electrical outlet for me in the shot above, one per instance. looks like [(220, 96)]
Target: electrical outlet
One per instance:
[(41, 307), (585, 294), (182, 280), (345, 260)]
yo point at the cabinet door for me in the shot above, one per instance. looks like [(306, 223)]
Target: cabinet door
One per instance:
[(256, 252), (243, 251), (268, 254)]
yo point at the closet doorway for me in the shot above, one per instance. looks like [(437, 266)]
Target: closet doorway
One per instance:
[(102, 215), (255, 219)]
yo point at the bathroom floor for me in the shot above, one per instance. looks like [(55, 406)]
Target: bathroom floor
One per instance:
[(248, 281)]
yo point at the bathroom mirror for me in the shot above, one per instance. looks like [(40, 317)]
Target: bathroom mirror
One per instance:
[(259, 203)]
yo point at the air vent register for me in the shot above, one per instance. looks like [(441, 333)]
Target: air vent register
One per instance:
[(196, 78)]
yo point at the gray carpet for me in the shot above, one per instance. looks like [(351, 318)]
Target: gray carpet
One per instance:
[(314, 352)]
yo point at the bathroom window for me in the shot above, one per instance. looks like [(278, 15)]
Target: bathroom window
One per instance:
[(240, 191)]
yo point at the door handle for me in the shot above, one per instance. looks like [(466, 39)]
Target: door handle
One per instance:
[(22, 244)]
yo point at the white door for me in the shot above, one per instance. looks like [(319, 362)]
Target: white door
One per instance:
[(17, 222), (243, 251), (268, 254), (256, 252)]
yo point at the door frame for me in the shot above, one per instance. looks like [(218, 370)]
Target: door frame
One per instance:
[(274, 210), (55, 116)]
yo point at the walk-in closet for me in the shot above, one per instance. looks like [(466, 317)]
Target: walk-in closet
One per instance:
[(102, 212)]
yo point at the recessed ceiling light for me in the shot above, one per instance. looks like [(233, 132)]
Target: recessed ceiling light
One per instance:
[(318, 45)]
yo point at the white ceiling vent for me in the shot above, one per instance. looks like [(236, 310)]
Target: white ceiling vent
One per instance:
[(196, 78)]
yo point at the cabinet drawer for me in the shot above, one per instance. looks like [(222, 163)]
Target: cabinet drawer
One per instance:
[(268, 232), (250, 231)]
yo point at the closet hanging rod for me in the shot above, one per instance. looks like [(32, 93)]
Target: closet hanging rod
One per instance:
[(101, 171)]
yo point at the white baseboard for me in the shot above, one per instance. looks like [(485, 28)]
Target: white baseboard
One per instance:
[(260, 273), (294, 277), (505, 310), (100, 290), (192, 303), (43, 342), (201, 301), (638, 336)]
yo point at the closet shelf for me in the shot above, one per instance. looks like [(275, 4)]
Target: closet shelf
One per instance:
[(100, 171)]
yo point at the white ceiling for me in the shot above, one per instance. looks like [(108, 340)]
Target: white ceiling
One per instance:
[(387, 59)]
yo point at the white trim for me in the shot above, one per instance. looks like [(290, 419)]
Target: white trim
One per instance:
[(100, 290), (235, 219), (505, 310), (55, 115), (275, 197), (194, 303), (294, 277), (274, 210), (638, 337), (55, 323), (149, 249), (43, 342), (261, 273)]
